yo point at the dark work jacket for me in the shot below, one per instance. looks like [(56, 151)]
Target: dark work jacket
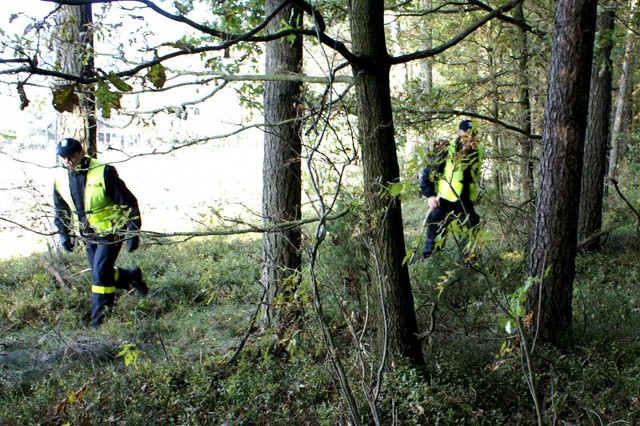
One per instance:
[(428, 176), (115, 188)]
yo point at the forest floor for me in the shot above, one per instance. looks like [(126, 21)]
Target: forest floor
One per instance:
[(191, 352)]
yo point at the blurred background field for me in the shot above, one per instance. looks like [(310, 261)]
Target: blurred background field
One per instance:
[(174, 190)]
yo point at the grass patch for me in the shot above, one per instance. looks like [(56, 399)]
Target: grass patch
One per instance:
[(170, 358)]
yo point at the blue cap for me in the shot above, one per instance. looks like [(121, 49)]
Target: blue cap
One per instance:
[(68, 146)]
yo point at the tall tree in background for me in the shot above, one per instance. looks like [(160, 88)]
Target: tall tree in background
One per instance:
[(494, 139), (553, 248), (524, 108), (597, 138), (426, 66), (396, 325), (623, 87), (281, 175), (74, 43)]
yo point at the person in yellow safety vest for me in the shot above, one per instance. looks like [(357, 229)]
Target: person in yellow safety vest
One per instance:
[(93, 204), (451, 184)]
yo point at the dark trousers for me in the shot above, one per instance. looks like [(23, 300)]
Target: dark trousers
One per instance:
[(440, 217), (102, 253)]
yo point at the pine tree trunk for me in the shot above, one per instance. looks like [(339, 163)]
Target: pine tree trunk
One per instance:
[(281, 174), (396, 321), (597, 138), (524, 104), (553, 248)]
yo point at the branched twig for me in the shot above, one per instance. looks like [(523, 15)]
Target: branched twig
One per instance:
[(250, 229), (164, 350), (462, 35), (615, 185), (53, 271), (250, 329), (593, 237), (529, 370), (323, 210), (633, 209), (385, 343)]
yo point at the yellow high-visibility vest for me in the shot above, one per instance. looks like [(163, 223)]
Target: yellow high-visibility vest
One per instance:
[(103, 214), (450, 183)]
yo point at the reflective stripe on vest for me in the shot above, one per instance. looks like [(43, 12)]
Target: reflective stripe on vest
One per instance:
[(450, 184), (103, 215)]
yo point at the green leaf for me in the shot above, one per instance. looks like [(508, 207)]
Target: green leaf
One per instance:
[(182, 8), (395, 189), (65, 98), (118, 83), (157, 75), (407, 256), (509, 326), (8, 136), (106, 99), (129, 353)]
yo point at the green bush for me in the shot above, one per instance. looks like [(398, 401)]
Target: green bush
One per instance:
[(170, 358)]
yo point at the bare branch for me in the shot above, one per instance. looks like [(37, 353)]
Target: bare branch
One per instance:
[(427, 53), (510, 20), (249, 229), (231, 39), (433, 113), (53, 271)]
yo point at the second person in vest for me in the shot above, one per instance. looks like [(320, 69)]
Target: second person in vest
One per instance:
[(93, 204), (451, 184)]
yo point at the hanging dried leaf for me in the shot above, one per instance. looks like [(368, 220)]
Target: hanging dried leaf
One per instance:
[(24, 101), (65, 98)]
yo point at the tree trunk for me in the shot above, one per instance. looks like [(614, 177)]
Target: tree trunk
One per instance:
[(553, 248), (426, 66), (494, 137), (597, 138), (622, 94), (281, 173), (396, 321), (74, 42), (524, 104)]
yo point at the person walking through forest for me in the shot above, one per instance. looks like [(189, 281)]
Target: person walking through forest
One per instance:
[(92, 202), (450, 184)]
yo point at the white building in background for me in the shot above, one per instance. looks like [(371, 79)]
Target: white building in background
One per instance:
[(125, 139)]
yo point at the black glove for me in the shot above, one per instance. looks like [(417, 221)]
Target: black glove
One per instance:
[(132, 243), (66, 243)]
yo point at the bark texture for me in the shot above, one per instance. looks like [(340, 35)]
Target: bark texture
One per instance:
[(396, 320), (597, 138), (74, 43), (553, 248), (281, 174)]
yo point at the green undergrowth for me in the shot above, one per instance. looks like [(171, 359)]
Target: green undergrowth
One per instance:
[(190, 353)]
